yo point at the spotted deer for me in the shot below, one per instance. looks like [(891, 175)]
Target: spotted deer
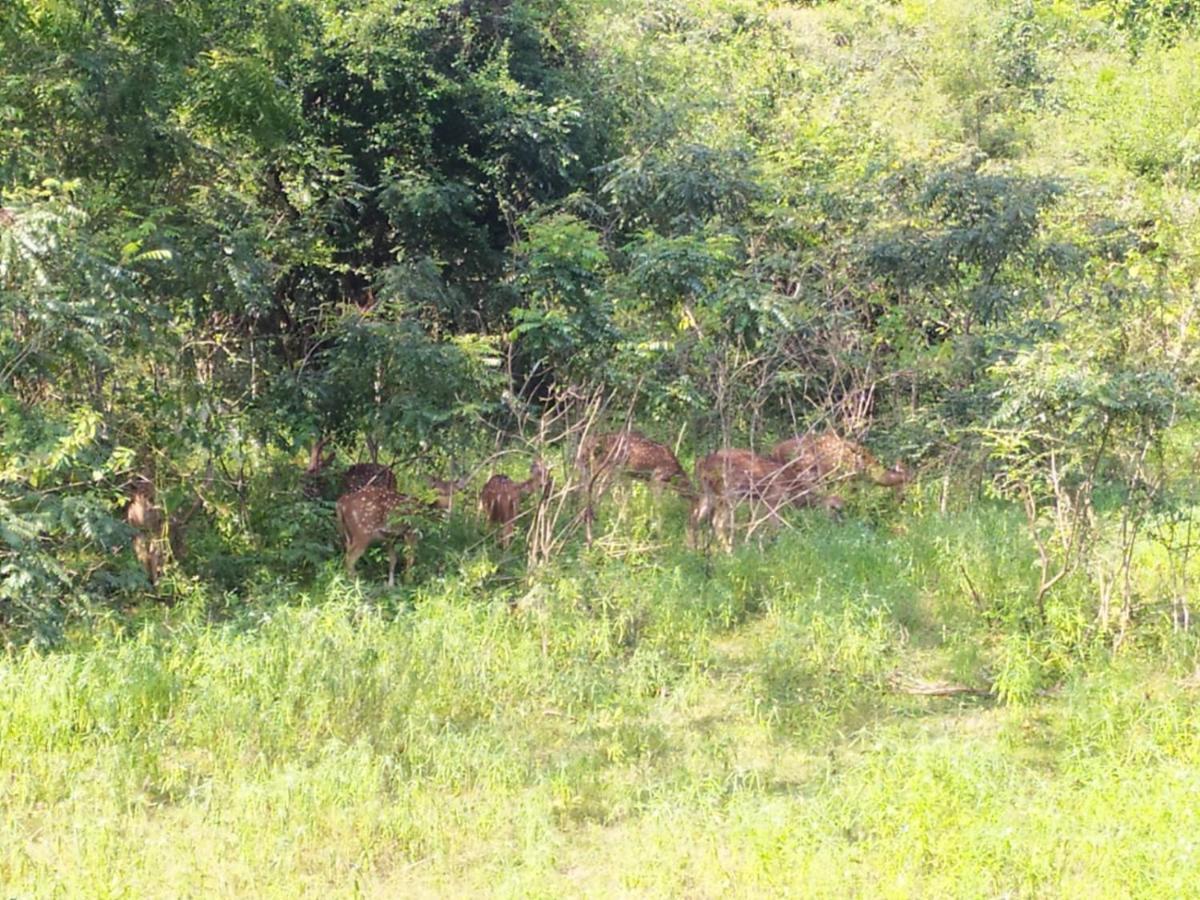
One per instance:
[(157, 537), (603, 456), (356, 477), (378, 514), (728, 478), (830, 457), (500, 498), (365, 475)]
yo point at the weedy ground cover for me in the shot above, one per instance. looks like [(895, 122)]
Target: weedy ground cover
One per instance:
[(659, 726)]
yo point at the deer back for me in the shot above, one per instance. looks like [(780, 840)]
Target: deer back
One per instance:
[(826, 455), (635, 454), (737, 475), (654, 460), (365, 475)]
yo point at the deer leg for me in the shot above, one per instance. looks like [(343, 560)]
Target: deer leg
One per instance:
[(589, 515), (148, 556), (352, 555), (756, 518), (391, 552), (656, 486), (410, 553), (701, 514), (510, 516), (726, 516)]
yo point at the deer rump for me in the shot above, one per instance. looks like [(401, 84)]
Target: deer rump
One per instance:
[(377, 514), (728, 478), (500, 498)]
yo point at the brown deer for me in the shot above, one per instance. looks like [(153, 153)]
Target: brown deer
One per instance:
[(500, 499), (602, 456), (730, 477), (147, 520), (444, 490), (156, 536), (314, 474), (830, 457), (632, 453), (356, 477), (377, 514)]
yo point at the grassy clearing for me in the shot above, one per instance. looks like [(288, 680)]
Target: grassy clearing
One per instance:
[(678, 725)]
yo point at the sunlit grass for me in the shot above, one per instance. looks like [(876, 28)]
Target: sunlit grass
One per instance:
[(662, 724)]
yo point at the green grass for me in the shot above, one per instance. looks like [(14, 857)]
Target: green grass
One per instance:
[(638, 724)]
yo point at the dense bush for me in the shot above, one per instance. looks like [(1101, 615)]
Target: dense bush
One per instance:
[(450, 228)]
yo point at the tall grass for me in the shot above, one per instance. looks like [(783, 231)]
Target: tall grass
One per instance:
[(648, 724)]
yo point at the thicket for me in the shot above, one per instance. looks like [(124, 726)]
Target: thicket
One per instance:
[(965, 231)]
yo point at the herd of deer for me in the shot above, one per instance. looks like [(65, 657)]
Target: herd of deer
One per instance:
[(369, 509), (798, 473)]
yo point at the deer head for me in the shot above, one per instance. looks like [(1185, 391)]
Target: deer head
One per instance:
[(896, 477), (444, 490), (377, 514), (317, 464), (500, 499)]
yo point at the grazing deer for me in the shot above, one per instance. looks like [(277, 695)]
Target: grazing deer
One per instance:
[(156, 536), (632, 453), (729, 477), (377, 514), (500, 498), (629, 452), (444, 490), (829, 456)]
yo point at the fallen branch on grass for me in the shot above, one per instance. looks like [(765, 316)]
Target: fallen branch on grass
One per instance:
[(907, 684)]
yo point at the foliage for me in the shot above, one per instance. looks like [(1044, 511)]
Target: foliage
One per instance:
[(227, 233), (450, 236)]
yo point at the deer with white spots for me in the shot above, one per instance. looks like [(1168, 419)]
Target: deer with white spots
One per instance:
[(830, 457), (728, 478), (378, 514)]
